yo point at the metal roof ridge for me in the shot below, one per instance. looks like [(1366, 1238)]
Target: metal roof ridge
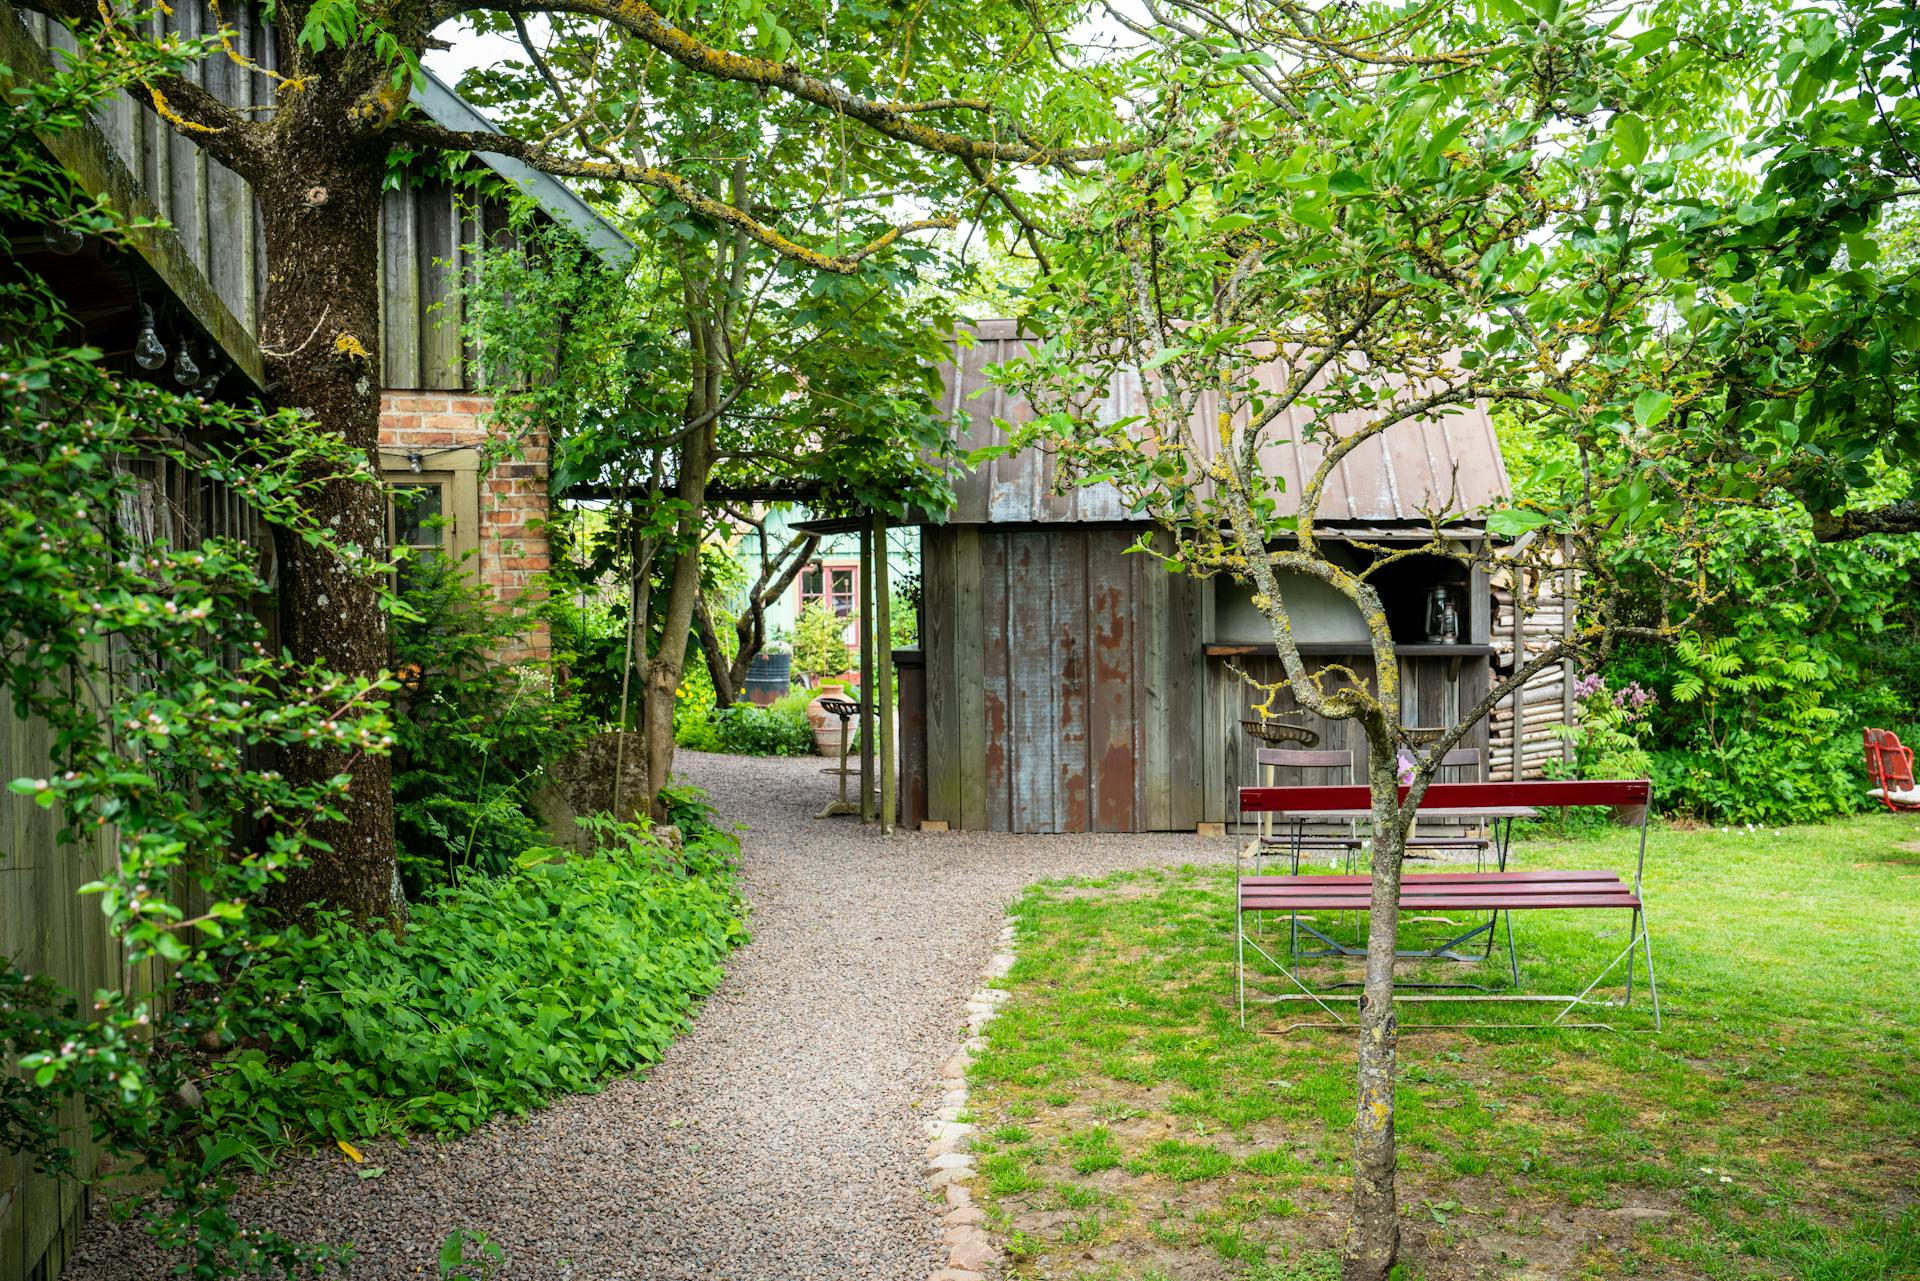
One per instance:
[(447, 108)]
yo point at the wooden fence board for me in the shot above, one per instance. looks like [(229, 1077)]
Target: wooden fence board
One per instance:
[(1113, 753), (970, 670), (1067, 591), (997, 779)]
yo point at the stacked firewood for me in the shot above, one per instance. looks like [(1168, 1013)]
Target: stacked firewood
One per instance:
[(1543, 702)]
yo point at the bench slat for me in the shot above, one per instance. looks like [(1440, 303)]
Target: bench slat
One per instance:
[(1444, 878), (1452, 902), (1441, 891), (1355, 894)]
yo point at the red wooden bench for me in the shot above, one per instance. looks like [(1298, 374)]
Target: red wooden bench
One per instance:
[(1498, 893)]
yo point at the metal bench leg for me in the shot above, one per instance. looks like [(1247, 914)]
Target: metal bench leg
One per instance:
[(1633, 933), (1653, 984), (1513, 960), (1240, 936)]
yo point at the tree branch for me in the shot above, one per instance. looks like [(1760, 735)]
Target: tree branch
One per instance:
[(718, 211), (1894, 518), (890, 119)]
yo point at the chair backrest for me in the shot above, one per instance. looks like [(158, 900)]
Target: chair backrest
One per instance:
[(1462, 756), (1889, 763), (1298, 758)]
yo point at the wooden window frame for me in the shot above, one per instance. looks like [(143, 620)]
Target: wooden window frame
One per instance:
[(827, 569), (457, 472)]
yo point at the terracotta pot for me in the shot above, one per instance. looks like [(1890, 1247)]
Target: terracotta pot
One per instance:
[(826, 726), (1628, 815)]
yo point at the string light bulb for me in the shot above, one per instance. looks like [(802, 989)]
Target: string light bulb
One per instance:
[(185, 371), (148, 352), (63, 240), (413, 461)]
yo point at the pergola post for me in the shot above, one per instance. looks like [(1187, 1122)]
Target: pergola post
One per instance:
[(883, 633), (864, 614)]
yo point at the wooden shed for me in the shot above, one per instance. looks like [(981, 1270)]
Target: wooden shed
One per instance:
[(1064, 685)]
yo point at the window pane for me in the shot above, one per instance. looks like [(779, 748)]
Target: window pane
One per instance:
[(416, 512), (809, 583)]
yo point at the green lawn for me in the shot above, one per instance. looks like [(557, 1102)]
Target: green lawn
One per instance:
[(1130, 1128)]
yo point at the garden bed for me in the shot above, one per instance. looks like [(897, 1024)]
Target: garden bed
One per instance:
[(1131, 1129)]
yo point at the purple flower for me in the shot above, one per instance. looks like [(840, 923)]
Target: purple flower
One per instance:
[(1403, 767), (1634, 696), (1589, 685)]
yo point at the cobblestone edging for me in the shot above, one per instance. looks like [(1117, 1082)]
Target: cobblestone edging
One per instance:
[(950, 1165)]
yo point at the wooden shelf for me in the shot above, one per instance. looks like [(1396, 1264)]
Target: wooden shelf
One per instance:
[(1353, 649)]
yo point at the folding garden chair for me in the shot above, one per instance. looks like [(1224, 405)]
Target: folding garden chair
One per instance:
[(1890, 771), (1336, 768)]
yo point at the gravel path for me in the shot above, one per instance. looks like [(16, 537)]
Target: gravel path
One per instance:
[(780, 1138)]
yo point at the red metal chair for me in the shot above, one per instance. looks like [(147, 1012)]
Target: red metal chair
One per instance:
[(1890, 770)]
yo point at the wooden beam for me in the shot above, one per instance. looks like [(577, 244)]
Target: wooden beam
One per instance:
[(883, 635), (863, 624)]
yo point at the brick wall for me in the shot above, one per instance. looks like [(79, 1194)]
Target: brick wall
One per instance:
[(508, 505)]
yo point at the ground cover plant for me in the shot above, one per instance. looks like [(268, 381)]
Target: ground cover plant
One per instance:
[(1130, 1129), (746, 729), (502, 991)]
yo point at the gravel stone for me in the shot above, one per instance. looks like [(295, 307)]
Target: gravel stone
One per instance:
[(781, 1138)]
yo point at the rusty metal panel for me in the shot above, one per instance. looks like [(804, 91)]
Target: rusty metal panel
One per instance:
[(1185, 665)]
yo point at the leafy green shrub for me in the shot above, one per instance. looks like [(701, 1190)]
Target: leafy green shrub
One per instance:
[(474, 736), (504, 991), (778, 729), (1763, 700), (819, 642)]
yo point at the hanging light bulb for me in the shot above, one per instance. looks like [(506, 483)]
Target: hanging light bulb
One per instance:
[(185, 372), (63, 240), (413, 461), (148, 353)]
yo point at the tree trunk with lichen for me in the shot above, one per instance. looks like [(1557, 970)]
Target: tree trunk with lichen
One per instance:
[(320, 331), (1373, 1232)]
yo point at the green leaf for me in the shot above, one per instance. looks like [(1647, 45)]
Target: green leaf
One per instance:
[(1651, 407), (1630, 139), (1345, 182), (1511, 522)]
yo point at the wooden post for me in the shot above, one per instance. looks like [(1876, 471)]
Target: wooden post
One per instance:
[(1566, 664), (883, 654), (864, 625)]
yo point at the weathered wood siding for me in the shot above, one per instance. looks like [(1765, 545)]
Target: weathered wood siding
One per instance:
[(424, 233), (46, 926), (1068, 688), (1049, 707)]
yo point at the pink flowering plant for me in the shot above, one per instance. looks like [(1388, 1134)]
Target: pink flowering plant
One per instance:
[(1609, 739)]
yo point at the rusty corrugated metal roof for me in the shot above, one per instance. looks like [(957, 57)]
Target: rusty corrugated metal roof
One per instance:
[(1410, 466)]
